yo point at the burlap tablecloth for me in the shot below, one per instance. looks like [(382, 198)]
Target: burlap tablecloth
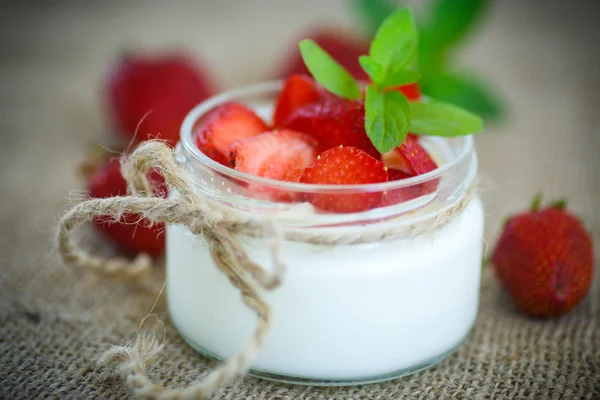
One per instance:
[(542, 56)]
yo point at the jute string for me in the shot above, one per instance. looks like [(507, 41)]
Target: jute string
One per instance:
[(219, 228)]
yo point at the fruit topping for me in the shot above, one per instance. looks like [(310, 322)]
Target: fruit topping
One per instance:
[(334, 123), (223, 126), (345, 166), (281, 154), (298, 91)]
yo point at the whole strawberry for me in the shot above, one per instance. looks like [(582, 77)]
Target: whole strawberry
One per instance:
[(131, 233), (149, 96), (544, 259)]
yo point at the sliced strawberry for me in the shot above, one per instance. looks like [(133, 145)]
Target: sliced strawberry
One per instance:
[(396, 174), (223, 126), (407, 160), (131, 232), (345, 166), (411, 91), (298, 91), (280, 155), (334, 123), (410, 157)]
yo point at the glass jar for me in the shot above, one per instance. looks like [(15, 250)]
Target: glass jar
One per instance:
[(344, 313)]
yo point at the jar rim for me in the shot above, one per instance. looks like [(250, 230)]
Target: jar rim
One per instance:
[(187, 142)]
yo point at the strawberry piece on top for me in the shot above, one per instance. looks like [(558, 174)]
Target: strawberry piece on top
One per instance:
[(334, 123), (280, 155), (223, 126), (345, 166), (298, 91)]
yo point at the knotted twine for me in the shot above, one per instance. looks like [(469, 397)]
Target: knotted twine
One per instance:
[(202, 217)]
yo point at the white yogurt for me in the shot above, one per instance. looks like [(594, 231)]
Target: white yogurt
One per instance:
[(343, 312)]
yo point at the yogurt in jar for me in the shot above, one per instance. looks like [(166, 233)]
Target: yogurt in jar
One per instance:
[(343, 313)]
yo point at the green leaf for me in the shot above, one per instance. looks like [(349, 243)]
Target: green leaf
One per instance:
[(400, 77), (452, 19), (395, 44), (442, 119), (372, 13), (464, 91), (328, 72), (387, 118), (372, 68)]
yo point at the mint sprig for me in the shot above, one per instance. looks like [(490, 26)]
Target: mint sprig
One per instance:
[(389, 116), (444, 27)]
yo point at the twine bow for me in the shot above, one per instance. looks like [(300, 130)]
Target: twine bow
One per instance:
[(218, 228), (201, 219)]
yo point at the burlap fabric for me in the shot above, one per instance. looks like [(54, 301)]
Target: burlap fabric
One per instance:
[(53, 320)]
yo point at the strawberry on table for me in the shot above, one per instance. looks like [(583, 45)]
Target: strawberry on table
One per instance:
[(345, 166), (223, 126), (149, 96), (280, 154), (411, 91), (544, 259), (131, 233), (298, 91), (333, 123)]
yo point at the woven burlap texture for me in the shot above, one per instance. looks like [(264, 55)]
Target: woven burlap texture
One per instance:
[(53, 320)]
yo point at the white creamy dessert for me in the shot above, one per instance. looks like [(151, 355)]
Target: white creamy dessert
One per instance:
[(344, 313)]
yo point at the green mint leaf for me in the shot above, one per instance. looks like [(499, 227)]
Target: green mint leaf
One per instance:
[(464, 91), (452, 19), (372, 13), (442, 119), (400, 77), (328, 72), (395, 44), (387, 118), (372, 68)]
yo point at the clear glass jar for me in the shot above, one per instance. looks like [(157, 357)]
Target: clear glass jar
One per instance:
[(344, 314)]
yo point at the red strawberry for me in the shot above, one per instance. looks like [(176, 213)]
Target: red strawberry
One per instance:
[(223, 126), (345, 48), (298, 91), (334, 123), (411, 91), (407, 160), (130, 233), (544, 259), (280, 155), (410, 157), (156, 93), (345, 166)]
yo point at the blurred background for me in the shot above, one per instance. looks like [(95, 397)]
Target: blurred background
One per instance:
[(539, 58)]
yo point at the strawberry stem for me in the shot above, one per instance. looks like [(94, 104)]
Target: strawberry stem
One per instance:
[(561, 204), (536, 202)]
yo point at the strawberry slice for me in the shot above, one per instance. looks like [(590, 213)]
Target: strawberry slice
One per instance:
[(334, 123), (410, 157), (223, 126), (298, 91), (411, 91), (341, 166), (280, 155), (407, 160)]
